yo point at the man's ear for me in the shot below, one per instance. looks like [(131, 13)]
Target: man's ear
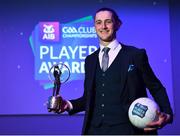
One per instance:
[(117, 26)]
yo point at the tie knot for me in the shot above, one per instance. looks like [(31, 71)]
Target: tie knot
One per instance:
[(106, 50)]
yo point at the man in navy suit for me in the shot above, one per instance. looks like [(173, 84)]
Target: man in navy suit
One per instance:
[(113, 81)]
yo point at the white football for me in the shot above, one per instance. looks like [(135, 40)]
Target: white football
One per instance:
[(143, 111)]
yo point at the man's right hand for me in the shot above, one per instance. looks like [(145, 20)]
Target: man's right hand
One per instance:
[(64, 106)]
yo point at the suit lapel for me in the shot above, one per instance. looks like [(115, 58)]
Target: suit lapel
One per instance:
[(124, 63), (92, 68)]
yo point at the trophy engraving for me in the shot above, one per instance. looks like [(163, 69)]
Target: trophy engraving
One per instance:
[(58, 74)]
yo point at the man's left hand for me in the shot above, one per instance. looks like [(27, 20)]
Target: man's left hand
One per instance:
[(163, 119)]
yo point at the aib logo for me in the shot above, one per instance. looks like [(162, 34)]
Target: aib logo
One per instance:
[(139, 110), (49, 31)]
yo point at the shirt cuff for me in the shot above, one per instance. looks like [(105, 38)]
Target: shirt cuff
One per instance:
[(70, 105)]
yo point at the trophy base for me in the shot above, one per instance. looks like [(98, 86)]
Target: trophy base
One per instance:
[(54, 103)]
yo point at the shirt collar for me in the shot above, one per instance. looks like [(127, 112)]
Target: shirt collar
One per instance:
[(112, 45)]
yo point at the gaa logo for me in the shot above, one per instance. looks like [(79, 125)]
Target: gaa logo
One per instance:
[(49, 31), (139, 110)]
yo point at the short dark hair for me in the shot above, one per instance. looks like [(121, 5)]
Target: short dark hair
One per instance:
[(114, 14)]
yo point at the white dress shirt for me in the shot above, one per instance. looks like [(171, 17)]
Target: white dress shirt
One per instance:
[(115, 47)]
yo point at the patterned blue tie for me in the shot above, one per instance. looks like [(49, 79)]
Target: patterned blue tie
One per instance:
[(105, 59)]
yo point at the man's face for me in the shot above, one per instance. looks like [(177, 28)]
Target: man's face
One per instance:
[(105, 26)]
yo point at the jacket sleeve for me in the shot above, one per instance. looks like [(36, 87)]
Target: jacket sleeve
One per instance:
[(80, 103), (153, 84)]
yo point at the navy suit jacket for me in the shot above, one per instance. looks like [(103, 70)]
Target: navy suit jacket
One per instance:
[(136, 75)]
